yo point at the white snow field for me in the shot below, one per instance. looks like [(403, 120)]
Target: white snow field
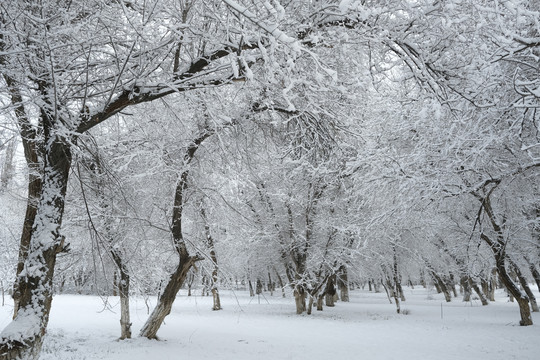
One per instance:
[(261, 328)]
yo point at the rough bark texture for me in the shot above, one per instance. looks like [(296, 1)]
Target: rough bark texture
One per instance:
[(465, 285), (166, 300), (35, 280), (476, 288), (343, 283), (330, 291), (513, 289), (123, 290), (498, 247), (300, 299), (525, 285), (213, 257)]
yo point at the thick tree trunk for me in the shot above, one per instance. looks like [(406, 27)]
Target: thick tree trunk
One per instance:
[(300, 299), (330, 291), (343, 283), (23, 337), (465, 284), (513, 289), (34, 194)]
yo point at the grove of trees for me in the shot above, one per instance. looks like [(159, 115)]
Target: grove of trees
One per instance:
[(288, 145)]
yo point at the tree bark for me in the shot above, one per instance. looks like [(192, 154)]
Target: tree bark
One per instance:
[(498, 247), (213, 257), (123, 290), (476, 288), (300, 298), (525, 285), (6, 173), (34, 282), (166, 299), (186, 262), (536, 274), (464, 282), (343, 283), (330, 291)]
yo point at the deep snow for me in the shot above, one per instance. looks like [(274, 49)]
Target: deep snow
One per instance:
[(82, 327)]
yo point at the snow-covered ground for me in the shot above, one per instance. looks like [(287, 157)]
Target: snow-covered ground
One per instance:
[(260, 328)]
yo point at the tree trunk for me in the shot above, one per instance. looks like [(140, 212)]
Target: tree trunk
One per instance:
[(330, 291), (166, 299), (513, 289), (525, 285), (440, 284), (310, 305), (536, 275), (6, 173), (213, 257), (123, 290), (476, 288), (271, 284), (280, 282), (320, 298), (343, 283), (186, 262), (464, 282), (34, 282), (300, 299)]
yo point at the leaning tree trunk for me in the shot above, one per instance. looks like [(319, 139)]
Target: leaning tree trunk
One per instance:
[(498, 248), (186, 262), (166, 299), (536, 274), (35, 280), (513, 289), (524, 284), (478, 291)]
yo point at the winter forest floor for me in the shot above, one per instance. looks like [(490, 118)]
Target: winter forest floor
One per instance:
[(260, 328)]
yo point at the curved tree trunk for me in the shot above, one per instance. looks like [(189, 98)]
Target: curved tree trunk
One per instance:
[(524, 284), (513, 289), (498, 247), (166, 300), (186, 262)]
